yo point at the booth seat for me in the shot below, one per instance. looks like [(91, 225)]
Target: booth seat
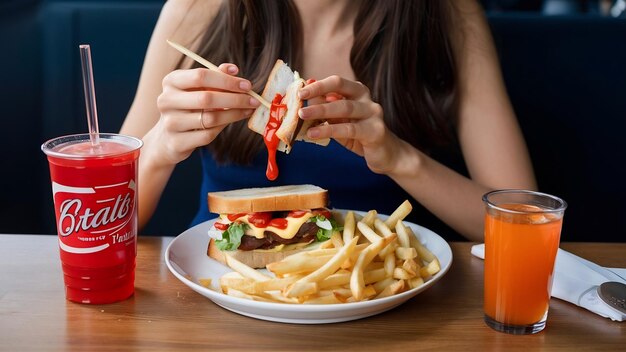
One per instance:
[(566, 77)]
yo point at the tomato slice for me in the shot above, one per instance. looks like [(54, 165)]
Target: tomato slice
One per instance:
[(297, 213), (261, 219), (279, 223), (322, 211), (233, 217), (220, 226)]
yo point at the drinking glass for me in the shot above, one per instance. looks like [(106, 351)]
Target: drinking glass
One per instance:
[(95, 199), (522, 232)]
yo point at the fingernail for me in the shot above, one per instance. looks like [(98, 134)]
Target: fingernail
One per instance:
[(245, 85), (302, 113), (232, 69), (313, 133), (254, 102), (303, 94), (248, 112)]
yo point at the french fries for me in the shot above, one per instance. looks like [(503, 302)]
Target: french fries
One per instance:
[(243, 269), (399, 214), (348, 227), (371, 259)]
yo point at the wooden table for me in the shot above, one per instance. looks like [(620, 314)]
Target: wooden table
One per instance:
[(164, 314)]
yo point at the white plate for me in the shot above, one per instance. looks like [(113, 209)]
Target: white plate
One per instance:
[(187, 259)]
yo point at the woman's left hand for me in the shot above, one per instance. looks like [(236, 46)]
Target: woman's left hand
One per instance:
[(354, 120)]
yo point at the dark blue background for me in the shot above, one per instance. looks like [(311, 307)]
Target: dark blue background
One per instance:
[(566, 76)]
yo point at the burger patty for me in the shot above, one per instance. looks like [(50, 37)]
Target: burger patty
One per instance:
[(306, 234)]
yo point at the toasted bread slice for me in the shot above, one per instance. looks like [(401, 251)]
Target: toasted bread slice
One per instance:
[(279, 79), (279, 198), (306, 124), (287, 130), (282, 80), (259, 258)]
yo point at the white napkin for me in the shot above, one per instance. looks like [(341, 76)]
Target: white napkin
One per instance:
[(576, 280)]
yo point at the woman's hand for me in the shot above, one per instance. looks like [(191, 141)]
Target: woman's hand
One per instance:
[(354, 120), (195, 106)]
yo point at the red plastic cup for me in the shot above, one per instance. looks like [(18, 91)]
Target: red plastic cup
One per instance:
[(95, 201)]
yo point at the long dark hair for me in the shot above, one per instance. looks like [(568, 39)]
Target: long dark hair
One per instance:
[(402, 51)]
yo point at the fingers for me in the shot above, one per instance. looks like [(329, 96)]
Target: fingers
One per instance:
[(190, 121), (315, 101), (334, 85), (196, 105), (204, 78), (347, 120), (336, 97), (330, 97), (366, 132), (205, 99), (336, 131), (337, 109), (229, 68)]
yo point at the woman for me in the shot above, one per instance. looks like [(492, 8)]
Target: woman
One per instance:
[(431, 88)]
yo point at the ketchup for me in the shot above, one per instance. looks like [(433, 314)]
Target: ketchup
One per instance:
[(220, 226), (301, 213), (233, 217), (297, 213), (279, 223), (264, 219), (260, 220), (323, 212), (277, 111)]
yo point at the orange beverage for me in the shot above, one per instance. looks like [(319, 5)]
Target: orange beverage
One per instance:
[(522, 232)]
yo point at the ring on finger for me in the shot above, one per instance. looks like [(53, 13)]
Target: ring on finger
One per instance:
[(202, 119)]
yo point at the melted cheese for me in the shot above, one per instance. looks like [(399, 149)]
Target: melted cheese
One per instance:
[(293, 225)]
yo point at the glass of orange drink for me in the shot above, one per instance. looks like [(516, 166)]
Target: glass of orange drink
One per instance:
[(522, 232)]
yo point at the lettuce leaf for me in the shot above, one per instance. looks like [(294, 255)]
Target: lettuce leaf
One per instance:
[(231, 238), (326, 227)]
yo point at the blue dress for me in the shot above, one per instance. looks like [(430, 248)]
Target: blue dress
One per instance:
[(351, 184)]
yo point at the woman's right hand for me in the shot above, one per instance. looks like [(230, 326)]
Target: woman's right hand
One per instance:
[(195, 106)]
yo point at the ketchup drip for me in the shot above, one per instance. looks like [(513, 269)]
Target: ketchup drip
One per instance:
[(277, 111)]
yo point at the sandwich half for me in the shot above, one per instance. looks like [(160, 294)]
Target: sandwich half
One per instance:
[(258, 226), (282, 89)]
